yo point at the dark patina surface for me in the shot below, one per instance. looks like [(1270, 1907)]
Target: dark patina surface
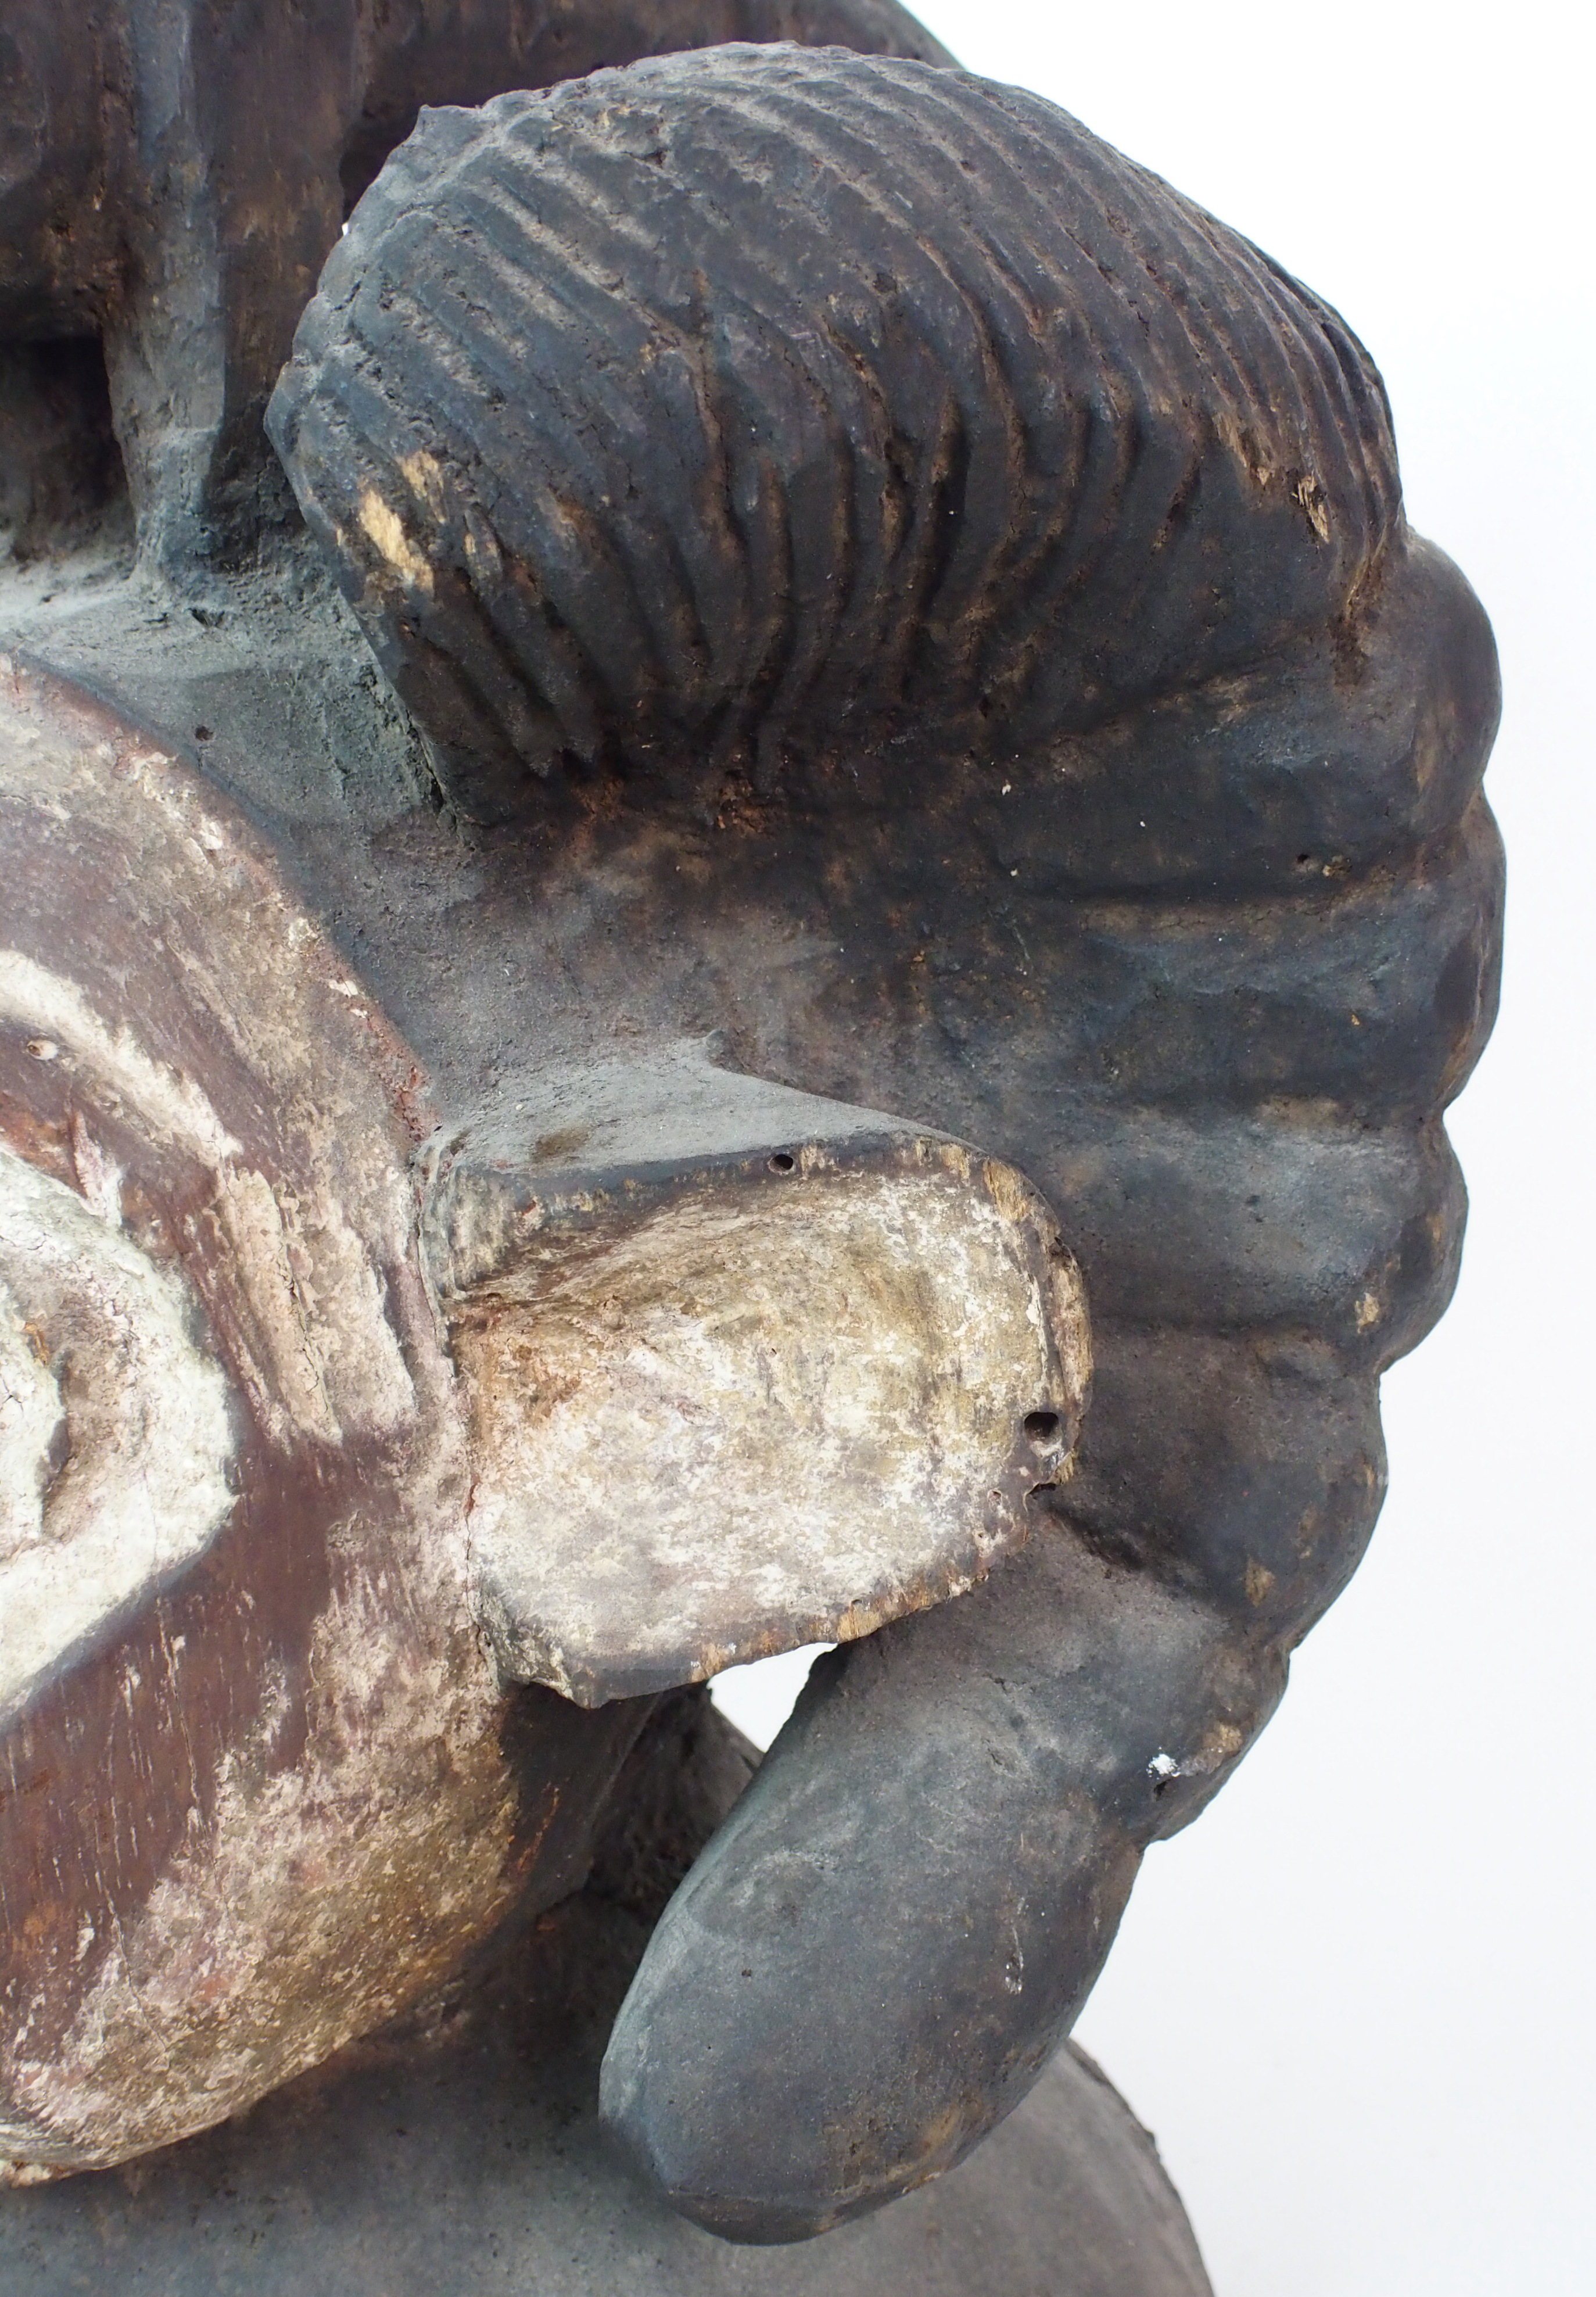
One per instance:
[(460, 2150), (867, 578)]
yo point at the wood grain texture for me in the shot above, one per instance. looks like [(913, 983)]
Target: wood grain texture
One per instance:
[(259, 1790)]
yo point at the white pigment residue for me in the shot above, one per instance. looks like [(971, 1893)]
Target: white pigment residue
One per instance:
[(115, 1441)]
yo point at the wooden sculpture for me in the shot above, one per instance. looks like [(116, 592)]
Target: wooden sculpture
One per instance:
[(916, 848)]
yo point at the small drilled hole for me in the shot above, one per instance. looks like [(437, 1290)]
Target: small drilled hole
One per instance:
[(202, 733), (1042, 1428), (781, 1162)]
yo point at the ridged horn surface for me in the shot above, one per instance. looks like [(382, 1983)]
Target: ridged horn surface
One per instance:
[(998, 567), (768, 404)]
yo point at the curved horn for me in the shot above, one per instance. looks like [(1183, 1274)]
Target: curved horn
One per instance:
[(866, 460), (912, 491), (188, 233)]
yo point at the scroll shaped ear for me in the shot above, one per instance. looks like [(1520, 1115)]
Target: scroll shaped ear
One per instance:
[(829, 450), (747, 1368)]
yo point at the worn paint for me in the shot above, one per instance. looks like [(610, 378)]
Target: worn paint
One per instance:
[(117, 1454), (776, 1399), (385, 528), (778, 1409), (214, 1343)]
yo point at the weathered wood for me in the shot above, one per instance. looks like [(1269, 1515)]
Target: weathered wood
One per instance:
[(867, 461), (305, 1457), (463, 2152), (747, 1369), (262, 1787), (882, 583), (919, 504), (176, 176)]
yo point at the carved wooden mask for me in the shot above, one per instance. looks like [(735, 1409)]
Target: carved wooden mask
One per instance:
[(927, 858)]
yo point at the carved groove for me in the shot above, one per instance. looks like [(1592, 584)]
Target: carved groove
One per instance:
[(760, 406)]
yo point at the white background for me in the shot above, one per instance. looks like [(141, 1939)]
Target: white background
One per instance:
[(1357, 2002)]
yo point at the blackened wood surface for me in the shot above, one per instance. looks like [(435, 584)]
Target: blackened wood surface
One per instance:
[(863, 467), (1196, 924), (728, 415), (175, 175)]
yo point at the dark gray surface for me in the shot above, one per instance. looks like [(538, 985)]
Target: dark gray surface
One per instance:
[(471, 2162), (473, 2179), (791, 478), (1189, 910)]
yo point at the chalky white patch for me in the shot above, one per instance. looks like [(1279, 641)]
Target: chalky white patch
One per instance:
[(92, 1332), (169, 1107), (32, 1416), (760, 1420)]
